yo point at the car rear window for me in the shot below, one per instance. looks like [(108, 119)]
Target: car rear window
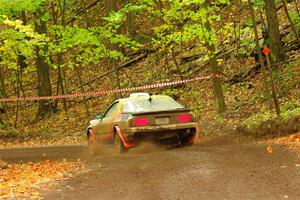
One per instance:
[(155, 105)]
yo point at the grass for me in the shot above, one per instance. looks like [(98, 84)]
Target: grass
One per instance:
[(264, 120)]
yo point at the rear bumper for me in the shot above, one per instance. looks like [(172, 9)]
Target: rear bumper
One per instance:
[(166, 127), (189, 130)]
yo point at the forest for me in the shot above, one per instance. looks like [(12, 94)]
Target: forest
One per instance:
[(234, 63), (51, 48)]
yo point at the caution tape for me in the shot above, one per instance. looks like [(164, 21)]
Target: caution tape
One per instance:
[(104, 92)]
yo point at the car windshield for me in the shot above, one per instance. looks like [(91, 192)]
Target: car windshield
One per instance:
[(156, 104)]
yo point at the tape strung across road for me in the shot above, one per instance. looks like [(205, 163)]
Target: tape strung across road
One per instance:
[(105, 92)]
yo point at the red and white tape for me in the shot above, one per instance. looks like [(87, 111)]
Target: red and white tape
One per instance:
[(105, 92)]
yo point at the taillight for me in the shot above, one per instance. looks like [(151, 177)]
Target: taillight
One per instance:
[(141, 121), (184, 118)]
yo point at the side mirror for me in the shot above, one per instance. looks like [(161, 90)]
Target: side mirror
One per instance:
[(99, 116)]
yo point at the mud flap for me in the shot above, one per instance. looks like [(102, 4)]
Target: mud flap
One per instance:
[(125, 143), (92, 135), (193, 139)]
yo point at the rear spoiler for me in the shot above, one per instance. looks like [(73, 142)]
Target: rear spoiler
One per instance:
[(164, 111)]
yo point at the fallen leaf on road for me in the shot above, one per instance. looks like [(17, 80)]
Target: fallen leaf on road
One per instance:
[(70, 187), (269, 149)]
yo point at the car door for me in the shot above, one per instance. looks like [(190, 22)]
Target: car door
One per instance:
[(106, 124)]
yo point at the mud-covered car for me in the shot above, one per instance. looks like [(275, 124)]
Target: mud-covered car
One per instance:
[(141, 117)]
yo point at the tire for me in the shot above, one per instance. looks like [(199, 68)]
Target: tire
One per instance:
[(118, 144), (91, 144), (184, 141)]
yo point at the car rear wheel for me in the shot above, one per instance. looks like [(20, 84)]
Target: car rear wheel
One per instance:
[(91, 143), (185, 140), (118, 144)]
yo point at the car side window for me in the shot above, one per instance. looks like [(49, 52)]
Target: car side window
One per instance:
[(111, 110)]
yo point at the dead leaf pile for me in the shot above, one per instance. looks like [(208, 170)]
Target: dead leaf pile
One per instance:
[(3, 165), (292, 141), (24, 181), (38, 141)]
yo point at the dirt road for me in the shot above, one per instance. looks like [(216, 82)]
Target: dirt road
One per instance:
[(212, 169)]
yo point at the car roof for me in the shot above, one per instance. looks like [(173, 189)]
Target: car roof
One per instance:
[(143, 97)]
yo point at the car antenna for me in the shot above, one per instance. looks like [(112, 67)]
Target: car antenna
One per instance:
[(150, 97)]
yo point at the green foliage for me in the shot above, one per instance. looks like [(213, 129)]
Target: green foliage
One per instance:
[(287, 77), (13, 7), (288, 110), (109, 32), (18, 39), (256, 119), (170, 92), (87, 45), (295, 18), (258, 4), (126, 84), (180, 25), (82, 42), (9, 132)]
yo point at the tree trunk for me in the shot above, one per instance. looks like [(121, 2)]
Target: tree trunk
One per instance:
[(262, 18), (130, 25), (176, 63), (3, 94), (217, 85), (265, 79), (130, 22), (1, 122), (83, 91), (291, 22), (110, 5), (274, 34), (23, 65), (22, 59), (274, 93), (60, 85), (116, 77), (18, 95), (43, 73), (2, 84), (86, 16)]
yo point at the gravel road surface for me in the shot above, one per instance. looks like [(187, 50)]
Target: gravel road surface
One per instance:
[(216, 168)]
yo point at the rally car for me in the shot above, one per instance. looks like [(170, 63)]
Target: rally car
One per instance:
[(142, 116)]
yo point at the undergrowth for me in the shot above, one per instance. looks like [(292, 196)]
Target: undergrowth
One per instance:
[(288, 110)]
